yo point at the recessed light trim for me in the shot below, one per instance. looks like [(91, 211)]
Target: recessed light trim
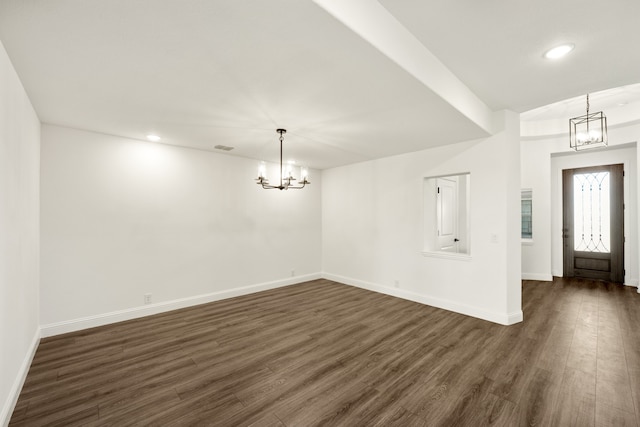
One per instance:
[(559, 51), (153, 138)]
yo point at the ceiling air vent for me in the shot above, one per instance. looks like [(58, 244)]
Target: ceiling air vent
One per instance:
[(223, 147)]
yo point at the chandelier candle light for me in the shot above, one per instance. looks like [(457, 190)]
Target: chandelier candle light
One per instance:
[(286, 173), (588, 131)]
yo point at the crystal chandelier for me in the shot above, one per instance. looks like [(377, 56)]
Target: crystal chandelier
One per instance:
[(287, 180), (588, 131)]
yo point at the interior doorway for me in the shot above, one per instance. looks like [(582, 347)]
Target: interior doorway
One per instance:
[(593, 222)]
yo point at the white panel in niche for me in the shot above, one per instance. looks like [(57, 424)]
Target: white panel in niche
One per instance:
[(446, 215)]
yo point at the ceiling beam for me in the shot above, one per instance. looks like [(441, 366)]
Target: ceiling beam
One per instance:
[(371, 21)]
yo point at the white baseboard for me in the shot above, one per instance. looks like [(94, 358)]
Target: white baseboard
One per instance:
[(16, 388), (537, 276), (161, 307), (631, 282), (501, 318)]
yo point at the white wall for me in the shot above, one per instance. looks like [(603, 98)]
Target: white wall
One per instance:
[(536, 175), (373, 226), (542, 162), (19, 234), (122, 218)]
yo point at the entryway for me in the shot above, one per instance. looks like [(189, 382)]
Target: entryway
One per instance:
[(593, 222)]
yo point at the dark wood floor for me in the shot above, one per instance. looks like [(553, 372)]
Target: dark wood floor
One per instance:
[(323, 353)]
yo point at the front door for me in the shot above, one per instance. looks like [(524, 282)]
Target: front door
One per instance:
[(593, 223)]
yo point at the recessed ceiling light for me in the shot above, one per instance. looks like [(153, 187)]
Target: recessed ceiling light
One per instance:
[(154, 138), (559, 51)]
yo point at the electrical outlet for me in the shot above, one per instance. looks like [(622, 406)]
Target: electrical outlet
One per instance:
[(147, 298), (293, 273), (396, 283)]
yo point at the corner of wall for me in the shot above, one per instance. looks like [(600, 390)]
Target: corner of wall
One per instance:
[(445, 304), (20, 243), (18, 382)]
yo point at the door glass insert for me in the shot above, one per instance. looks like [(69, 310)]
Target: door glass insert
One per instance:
[(592, 217)]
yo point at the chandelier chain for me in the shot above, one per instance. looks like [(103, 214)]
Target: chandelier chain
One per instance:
[(588, 131)]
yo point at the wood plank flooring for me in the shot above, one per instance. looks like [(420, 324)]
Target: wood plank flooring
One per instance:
[(322, 353)]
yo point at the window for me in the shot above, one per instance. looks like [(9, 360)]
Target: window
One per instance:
[(526, 212), (591, 210)]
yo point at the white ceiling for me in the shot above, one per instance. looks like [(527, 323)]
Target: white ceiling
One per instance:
[(610, 100), (208, 72)]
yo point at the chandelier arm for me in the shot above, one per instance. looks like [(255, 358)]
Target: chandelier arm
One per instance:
[(266, 186), (284, 187), (297, 187)]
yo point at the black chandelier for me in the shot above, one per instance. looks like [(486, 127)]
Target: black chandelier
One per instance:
[(588, 131), (286, 173)]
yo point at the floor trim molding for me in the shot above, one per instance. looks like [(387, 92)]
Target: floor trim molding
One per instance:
[(500, 318), (631, 282), (538, 276), (161, 307), (18, 383)]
